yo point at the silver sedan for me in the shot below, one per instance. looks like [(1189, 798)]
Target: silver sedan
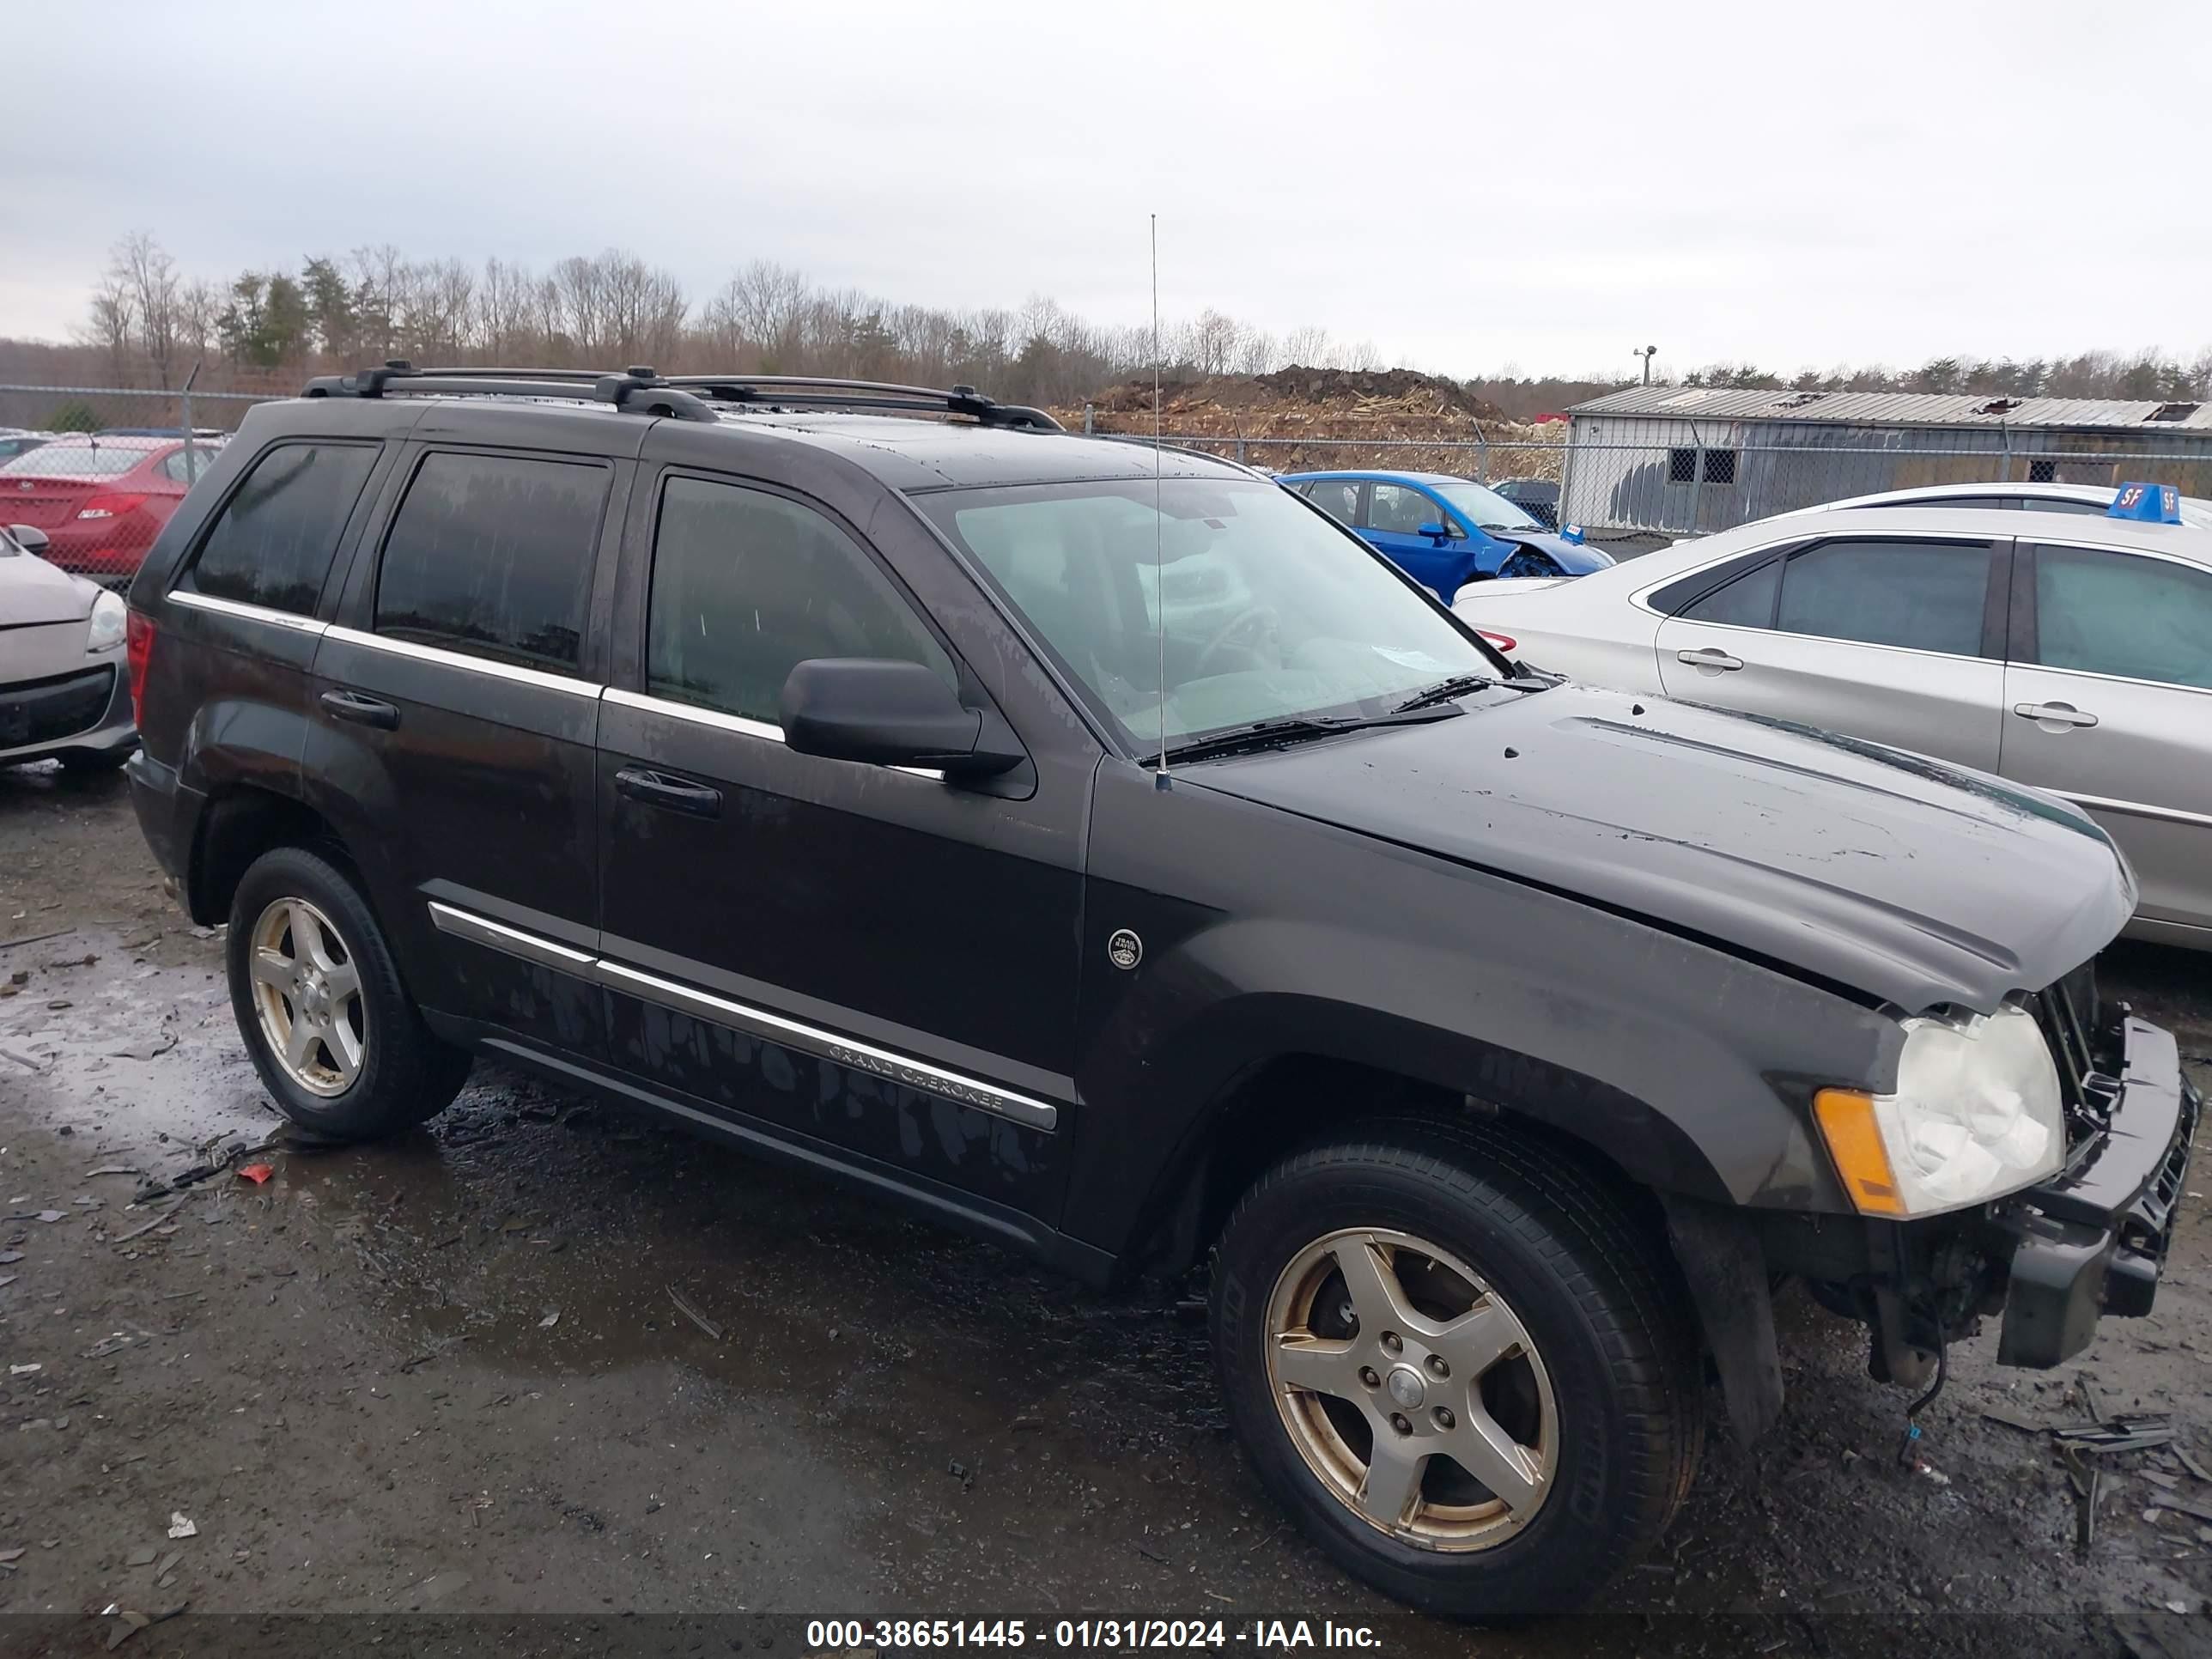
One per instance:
[(64, 680), (2071, 652)]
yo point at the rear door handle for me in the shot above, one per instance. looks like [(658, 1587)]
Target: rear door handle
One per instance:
[(361, 711), (2055, 714), (1707, 657), (652, 788)]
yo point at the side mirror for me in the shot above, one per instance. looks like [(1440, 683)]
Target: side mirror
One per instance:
[(29, 538), (1435, 532), (883, 713)]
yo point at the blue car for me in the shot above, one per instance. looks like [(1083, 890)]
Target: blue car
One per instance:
[(1444, 531)]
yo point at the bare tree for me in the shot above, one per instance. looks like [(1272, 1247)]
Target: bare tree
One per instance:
[(111, 325), (142, 269)]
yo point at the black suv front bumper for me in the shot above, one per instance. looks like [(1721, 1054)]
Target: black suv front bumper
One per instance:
[(2094, 1237)]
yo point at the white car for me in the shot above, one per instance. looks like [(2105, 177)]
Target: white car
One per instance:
[(2091, 499), (2070, 654), (64, 681)]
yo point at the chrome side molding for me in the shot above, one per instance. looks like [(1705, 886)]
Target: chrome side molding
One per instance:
[(764, 1024)]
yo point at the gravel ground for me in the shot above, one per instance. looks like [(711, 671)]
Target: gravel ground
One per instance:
[(452, 1373)]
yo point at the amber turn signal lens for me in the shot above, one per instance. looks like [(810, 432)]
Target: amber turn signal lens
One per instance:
[(1847, 1123)]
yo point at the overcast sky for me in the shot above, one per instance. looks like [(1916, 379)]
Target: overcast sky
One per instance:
[(1547, 185)]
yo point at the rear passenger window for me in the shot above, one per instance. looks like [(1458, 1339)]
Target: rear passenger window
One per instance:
[(1927, 595), (1746, 602), (491, 554), (1338, 497), (746, 585), (272, 543)]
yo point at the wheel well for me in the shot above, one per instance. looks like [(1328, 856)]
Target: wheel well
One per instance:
[(1292, 1100), (238, 828)]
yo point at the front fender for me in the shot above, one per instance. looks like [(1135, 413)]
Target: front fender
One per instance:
[(1689, 1069)]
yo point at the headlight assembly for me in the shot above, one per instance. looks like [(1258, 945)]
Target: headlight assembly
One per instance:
[(109, 617), (1976, 1115)]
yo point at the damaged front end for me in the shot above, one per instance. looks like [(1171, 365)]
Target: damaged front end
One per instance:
[(2047, 1262)]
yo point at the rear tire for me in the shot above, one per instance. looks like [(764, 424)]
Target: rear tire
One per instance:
[(1537, 1331), (340, 1045)]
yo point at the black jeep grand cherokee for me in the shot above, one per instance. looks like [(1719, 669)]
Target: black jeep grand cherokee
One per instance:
[(797, 771)]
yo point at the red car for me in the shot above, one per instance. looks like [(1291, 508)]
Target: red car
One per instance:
[(100, 501)]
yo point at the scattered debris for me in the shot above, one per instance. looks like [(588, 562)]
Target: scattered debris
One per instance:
[(145, 1227), (2012, 1419), (684, 1306), (34, 939), (2190, 1463), (9, 1258), (182, 1525), (2160, 1500), (111, 1169), (552, 1318), (2119, 1434), (25, 1370), (109, 1345), (152, 1048), (258, 1174), (142, 1557)]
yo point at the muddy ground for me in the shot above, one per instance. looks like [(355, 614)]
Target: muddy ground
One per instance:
[(449, 1373)]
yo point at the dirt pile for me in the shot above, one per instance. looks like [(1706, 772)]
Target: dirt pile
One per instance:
[(1296, 419)]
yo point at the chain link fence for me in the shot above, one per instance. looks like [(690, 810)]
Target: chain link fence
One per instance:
[(98, 470)]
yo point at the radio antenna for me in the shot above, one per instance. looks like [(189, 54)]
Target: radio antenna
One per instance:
[(1160, 779)]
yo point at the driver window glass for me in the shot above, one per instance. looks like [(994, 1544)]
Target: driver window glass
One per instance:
[(1399, 510), (746, 585), (2112, 613)]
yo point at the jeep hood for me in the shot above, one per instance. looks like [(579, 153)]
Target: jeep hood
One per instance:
[(1897, 876)]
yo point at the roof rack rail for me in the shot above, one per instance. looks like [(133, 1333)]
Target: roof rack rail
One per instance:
[(641, 389), (822, 391), (635, 391)]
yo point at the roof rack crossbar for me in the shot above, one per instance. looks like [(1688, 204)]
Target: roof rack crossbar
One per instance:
[(639, 389)]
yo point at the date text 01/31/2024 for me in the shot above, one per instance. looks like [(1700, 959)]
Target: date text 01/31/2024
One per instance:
[(836, 1635)]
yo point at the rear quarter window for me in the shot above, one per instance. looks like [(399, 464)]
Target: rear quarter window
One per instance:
[(491, 556), (272, 543)]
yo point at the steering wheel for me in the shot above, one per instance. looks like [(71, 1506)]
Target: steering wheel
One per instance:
[(1251, 618)]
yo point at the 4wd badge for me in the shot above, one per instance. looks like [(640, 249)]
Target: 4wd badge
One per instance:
[(1125, 949)]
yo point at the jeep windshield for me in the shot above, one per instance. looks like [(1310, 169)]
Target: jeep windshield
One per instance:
[(1262, 608)]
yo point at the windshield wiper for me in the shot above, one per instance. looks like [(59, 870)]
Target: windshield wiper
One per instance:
[(1444, 690), (1271, 734)]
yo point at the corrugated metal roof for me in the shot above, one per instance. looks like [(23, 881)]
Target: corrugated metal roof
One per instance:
[(1893, 409)]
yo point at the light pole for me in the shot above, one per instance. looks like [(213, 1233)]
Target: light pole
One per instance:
[(1647, 353)]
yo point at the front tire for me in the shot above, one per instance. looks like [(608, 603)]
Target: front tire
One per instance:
[(339, 1043), (1449, 1355)]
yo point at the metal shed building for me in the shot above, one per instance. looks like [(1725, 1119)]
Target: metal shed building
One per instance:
[(1690, 460)]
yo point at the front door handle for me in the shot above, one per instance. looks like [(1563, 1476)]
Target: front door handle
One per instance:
[(1707, 657), (2053, 713), (361, 711), (651, 788)]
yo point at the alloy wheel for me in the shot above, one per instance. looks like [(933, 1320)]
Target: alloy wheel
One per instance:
[(1413, 1392), (306, 990)]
